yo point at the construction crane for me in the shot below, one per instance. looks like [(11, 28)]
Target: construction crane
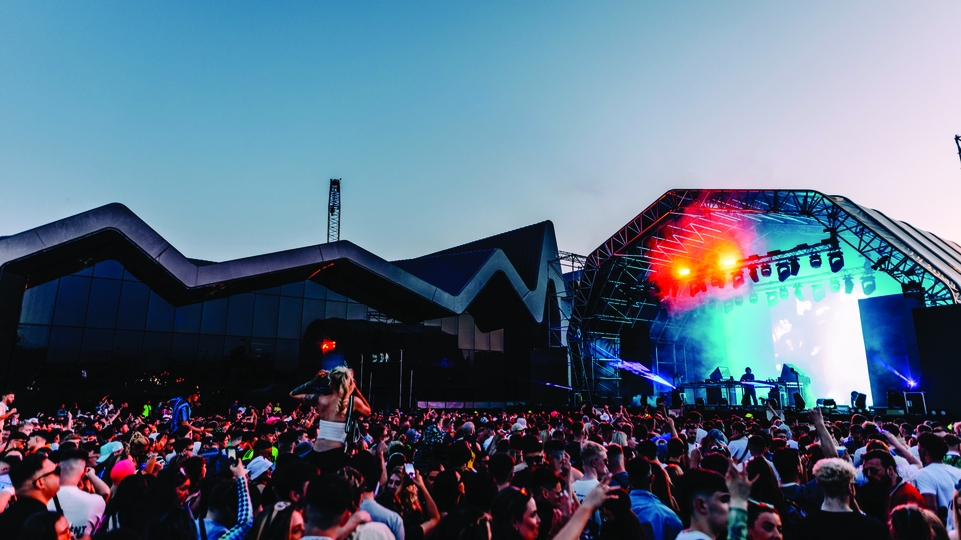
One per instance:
[(333, 211), (957, 141)]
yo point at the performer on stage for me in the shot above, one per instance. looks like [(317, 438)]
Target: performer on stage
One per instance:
[(748, 388)]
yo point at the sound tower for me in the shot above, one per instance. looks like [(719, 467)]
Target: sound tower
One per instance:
[(939, 339), (636, 347)]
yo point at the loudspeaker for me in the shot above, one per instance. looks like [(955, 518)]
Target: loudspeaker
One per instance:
[(713, 395), (699, 402), (915, 403), (798, 401), (895, 399), (861, 402)]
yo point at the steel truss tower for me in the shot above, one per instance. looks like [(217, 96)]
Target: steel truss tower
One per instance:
[(333, 211)]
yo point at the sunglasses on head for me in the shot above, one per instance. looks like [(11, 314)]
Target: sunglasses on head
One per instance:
[(56, 471)]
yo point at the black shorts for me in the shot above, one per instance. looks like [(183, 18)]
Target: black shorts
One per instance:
[(328, 461)]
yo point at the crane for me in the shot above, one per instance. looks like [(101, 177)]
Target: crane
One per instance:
[(957, 141), (333, 211)]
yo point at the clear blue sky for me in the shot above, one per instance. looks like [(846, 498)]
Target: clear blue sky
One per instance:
[(219, 123)]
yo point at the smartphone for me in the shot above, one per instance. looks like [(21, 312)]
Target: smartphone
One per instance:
[(409, 469), (232, 453)]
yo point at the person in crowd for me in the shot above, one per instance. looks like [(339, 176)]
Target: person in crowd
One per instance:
[(328, 450), (615, 465), (36, 480), (880, 469), (837, 518), (712, 505), (229, 511), (787, 462), (332, 510), (82, 510), (936, 480), (553, 502), (6, 411), (763, 522), (127, 507), (594, 458), (181, 411), (514, 514), (657, 520), (909, 522), (46, 526), (501, 467), (371, 468), (617, 520)]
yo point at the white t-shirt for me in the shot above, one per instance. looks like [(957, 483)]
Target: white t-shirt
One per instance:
[(688, 534), (938, 479), (82, 510), (371, 531), (738, 447), (3, 410), (582, 487)]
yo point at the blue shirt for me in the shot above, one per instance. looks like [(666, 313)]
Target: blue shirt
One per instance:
[(658, 521), (384, 515)]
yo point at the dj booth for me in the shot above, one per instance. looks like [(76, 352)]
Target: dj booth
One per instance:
[(722, 390)]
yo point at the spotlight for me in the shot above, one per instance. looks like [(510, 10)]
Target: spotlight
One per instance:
[(868, 285), (752, 271), (766, 270), (753, 298), (815, 260), (817, 292), (739, 301), (795, 266), (881, 262), (783, 271), (784, 294), (771, 299), (835, 286), (717, 281), (848, 285), (798, 293), (836, 261), (737, 279)]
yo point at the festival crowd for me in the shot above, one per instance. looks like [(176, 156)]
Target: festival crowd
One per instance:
[(323, 465)]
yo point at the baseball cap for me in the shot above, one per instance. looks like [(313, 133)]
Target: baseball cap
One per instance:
[(109, 449)]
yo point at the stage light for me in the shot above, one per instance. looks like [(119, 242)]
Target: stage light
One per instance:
[(753, 298), (795, 266), (798, 293), (771, 299), (684, 272), (836, 261), (737, 279), (815, 260), (766, 270), (752, 271), (835, 286), (783, 271), (784, 294), (817, 292), (912, 383), (868, 285), (848, 285), (739, 301), (717, 281), (728, 263)]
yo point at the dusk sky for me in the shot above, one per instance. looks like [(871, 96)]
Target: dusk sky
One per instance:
[(220, 123)]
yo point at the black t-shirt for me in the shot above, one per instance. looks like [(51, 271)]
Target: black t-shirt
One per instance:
[(842, 526), (573, 449), (11, 521)]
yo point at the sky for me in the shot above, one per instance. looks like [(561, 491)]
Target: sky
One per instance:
[(220, 123)]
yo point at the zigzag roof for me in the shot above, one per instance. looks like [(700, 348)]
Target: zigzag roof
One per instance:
[(487, 278)]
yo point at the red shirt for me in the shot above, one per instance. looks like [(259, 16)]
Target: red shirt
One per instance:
[(904, 493)]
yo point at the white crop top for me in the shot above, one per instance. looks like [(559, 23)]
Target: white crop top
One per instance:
[(332, 431)]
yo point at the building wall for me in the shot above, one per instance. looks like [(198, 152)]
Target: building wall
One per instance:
[(101, 330)]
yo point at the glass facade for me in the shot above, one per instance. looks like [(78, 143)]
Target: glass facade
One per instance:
[(102, 324)]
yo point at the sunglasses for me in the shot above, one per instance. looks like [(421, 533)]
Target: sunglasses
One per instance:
[(56, 471)]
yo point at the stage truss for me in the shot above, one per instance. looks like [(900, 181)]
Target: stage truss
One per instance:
[(613, 291)]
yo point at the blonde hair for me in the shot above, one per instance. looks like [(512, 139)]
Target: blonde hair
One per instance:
[(619, 438), (342, 383)]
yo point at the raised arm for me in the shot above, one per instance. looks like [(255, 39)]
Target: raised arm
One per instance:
[(433, 515), (824, 436), (902, 449)]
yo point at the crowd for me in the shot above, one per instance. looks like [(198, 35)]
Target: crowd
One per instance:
[(324, 466)]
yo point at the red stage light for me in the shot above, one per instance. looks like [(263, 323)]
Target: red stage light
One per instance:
[(327, 345)]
